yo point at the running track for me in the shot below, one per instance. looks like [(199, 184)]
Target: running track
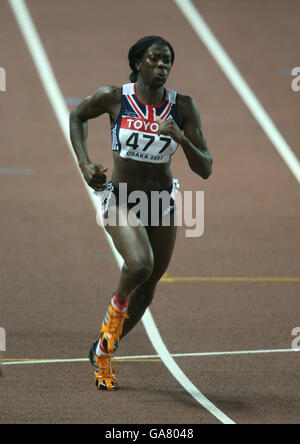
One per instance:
[(57, 268)]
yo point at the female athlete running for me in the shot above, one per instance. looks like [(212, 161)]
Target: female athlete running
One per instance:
[(148, 123)]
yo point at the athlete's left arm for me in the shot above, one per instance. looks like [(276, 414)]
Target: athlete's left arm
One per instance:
[(192, 139)]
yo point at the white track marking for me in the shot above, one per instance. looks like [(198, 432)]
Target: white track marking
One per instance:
[(145, 357), (170, 363), (58, 103), (236, 353), (239, 84)]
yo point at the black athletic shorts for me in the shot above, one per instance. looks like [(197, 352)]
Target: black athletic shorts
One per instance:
[(150, 207)]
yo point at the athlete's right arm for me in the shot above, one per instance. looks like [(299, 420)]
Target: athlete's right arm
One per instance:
[(102, 101)]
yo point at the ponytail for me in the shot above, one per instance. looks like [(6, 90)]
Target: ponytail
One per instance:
[(134, 76)]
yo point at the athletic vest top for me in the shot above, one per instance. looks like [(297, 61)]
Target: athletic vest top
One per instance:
[(135, 134)]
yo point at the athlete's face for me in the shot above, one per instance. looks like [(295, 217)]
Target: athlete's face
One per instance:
[(156, 64)]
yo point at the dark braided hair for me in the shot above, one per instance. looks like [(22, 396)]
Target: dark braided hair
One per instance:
[(138, 50)]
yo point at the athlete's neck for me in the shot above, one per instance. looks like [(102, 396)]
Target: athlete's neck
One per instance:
[(149, 95)]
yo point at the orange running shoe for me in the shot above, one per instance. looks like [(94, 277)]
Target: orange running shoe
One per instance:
[(105, 378), (112, 327)]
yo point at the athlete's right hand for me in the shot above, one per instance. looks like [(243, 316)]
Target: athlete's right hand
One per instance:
[(93, 174)]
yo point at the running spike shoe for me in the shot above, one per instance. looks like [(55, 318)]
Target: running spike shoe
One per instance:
[(112, 328), (105, 378)]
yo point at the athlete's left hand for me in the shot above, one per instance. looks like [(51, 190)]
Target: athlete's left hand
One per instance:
[(169, 128)]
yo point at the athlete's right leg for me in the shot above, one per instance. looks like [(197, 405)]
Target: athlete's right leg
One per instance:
[(132, 242)]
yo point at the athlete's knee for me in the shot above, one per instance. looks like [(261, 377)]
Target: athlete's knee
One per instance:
[(140, 271)]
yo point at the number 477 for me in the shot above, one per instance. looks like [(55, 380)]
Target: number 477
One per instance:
[(133, 142)]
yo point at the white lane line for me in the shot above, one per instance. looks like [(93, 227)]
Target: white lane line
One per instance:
[(171, 364), (145, 357), (236, 353), (59, 106), (239, 84)]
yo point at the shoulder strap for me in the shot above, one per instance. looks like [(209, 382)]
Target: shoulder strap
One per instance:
[(128, 89), (171, 95)]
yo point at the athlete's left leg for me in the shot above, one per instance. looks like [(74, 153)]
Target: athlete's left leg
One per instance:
[(162, 240)]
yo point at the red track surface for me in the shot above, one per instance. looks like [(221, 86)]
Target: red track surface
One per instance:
[(57, 269)]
